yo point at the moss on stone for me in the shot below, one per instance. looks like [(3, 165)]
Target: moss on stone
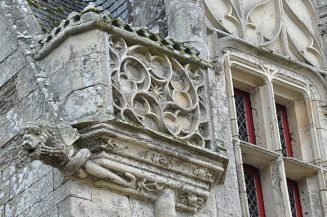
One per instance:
[(91, 9), (33, 3)]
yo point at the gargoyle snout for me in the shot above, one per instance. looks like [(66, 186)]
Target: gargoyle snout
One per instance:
[(28, 144)]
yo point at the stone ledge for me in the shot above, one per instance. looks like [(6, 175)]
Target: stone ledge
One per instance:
[(257, 156), (296, 169)]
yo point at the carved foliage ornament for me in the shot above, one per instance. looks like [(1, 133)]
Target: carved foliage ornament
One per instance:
[(158, 92), (285, 26)]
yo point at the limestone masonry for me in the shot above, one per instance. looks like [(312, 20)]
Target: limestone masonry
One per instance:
[(163, 108)]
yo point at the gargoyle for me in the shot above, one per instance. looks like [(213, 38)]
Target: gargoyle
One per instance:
[(55, 146)]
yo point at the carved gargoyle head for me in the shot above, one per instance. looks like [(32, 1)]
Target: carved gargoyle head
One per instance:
[(49, 143)]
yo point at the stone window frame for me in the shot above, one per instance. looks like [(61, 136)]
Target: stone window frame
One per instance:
[(261, 156), (298, 117)]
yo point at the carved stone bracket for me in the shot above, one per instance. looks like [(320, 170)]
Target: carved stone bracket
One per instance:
[(124, 158)]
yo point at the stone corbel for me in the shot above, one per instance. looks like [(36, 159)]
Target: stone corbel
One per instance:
[(111, 156)]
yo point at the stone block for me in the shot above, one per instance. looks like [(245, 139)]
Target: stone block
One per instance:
[(26, 82), (8, 42), (105, 197), (141, 209), (82, 103), (54, 212), (2, 211), (69, 188), (228, 200), (76, 207), (231, 176), (4, 192), (11, 65), (58, 178), (28, 109), (30, 196), (8, 172), (28, 176), (84, 71), (74, 47)]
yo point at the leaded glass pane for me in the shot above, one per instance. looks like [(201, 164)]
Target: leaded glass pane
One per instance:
[(281, 133), (251, 194), (292, 200), (241, 120)]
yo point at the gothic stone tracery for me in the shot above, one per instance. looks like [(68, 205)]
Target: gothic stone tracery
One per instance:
[(159, 92)]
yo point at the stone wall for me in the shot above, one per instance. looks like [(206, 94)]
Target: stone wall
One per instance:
[(68, 80)]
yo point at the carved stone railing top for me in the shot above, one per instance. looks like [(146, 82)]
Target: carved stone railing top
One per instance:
[(159, 136), (90, 19)]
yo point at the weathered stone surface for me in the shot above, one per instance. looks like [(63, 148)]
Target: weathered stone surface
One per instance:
[(89, 99), (153, 15), (8, 43), (75, 207), (9, 67), (2, 211), (58, 178), (4, 192), (226, 203), (8, 95), (141, 209), (28, 176), (27, 198), (30, 108), (53, 198), (54, 212), (113, 201), (71, 79)]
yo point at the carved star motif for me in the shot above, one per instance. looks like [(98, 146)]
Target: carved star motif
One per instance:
[(156, 92)]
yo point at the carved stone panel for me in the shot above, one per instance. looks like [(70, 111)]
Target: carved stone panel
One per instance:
[(285, 27), (159, 92)]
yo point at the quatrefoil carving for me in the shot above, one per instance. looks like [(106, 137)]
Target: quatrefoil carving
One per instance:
[(159, 92)]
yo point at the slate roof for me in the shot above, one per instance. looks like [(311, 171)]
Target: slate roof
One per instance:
[(49, 13)]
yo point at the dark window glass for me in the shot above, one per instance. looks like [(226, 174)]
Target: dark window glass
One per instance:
[(244, 116), (293, 193), (254, 191), (284, 134)]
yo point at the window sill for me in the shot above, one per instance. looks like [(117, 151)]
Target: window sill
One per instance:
[(257, 156), (296, 169)]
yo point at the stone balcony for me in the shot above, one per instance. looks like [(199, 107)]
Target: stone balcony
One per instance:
[(129, 111)]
